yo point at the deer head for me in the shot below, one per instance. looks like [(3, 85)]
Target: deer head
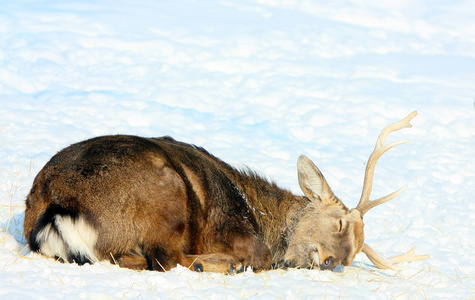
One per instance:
[(329, 234)]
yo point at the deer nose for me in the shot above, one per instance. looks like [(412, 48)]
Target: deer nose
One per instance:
[(328, 264)]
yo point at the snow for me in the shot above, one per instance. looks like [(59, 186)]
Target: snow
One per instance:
[(257, 83)]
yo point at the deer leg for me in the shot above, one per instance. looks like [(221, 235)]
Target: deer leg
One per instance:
[(251, 252), (243, 251), (214, 262), (156, 258), (210, 262), (232, 257), (132, 260)]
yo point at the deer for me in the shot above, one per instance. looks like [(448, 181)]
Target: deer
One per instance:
[(155, 203)]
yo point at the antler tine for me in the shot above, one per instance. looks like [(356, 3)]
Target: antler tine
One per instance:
[(382, 263), (409, 256), (365, 204)]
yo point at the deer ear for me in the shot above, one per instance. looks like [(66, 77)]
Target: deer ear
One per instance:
[(312, 182)]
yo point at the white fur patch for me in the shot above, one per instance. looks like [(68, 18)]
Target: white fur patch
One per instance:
[(76, 236), (51, 243)]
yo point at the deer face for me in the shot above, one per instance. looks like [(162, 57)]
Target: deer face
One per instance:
[(327, 234), (326, 238)]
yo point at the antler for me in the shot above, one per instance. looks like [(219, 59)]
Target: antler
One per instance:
[(408, 256), (365, 204), (381, 263), (377, 260)]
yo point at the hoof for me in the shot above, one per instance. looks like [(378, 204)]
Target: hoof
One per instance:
[(198, 267), (233, 269)]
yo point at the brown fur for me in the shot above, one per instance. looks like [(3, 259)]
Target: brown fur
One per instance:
[(157, 202)]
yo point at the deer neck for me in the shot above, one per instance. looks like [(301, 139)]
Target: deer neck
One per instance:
[(276, 210)]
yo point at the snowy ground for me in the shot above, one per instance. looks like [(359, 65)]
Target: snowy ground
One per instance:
[(256, 82)]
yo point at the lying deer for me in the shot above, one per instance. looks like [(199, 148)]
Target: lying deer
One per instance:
[(153, 203)]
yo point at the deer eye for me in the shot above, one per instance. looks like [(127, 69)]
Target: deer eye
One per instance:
[(341, 226)]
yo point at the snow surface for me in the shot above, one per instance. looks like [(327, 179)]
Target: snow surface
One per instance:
[(257, 83)]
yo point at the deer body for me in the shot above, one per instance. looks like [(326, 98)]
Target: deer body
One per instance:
[(157, 199), (153, 203)]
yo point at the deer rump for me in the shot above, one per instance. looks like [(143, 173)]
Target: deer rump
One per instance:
[(147, 203)]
